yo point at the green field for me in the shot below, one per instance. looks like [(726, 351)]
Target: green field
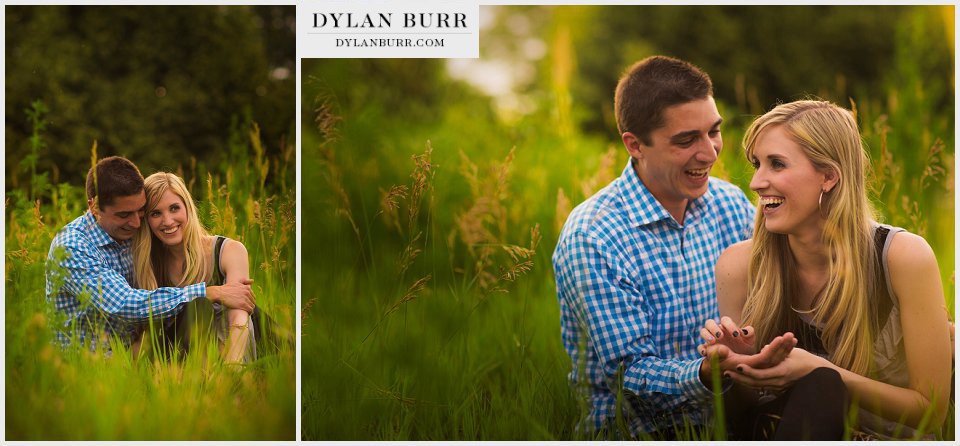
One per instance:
[(430, 216), (78, 395)]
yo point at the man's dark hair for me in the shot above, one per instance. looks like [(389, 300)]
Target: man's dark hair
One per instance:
[(650, 86), (113, 177)]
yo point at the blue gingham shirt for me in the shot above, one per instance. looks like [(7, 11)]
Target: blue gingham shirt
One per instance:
[(95, 294), (634, 288)]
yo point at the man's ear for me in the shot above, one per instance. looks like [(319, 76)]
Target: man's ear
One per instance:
[(633, 145), (93, 207), (830, 179)]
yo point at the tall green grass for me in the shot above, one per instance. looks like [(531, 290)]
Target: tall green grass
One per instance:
[(416, 216), (54, 394)]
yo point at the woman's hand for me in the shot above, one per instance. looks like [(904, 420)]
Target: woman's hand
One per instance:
[(781, 376), (770, 355), (739, 340)]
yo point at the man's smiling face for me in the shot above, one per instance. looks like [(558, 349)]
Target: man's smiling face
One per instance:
[(675, 166), (123, 217)]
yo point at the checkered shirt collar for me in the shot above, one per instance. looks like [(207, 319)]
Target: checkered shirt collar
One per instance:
[(99, 236), (643, 208)]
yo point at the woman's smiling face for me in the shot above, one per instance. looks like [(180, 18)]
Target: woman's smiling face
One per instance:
[(787, 182), (168, 219)]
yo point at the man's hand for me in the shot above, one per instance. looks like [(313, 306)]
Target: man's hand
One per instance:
[(235, 295), (770, 355)]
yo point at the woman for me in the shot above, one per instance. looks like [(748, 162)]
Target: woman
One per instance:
[(174, 249), (864, 300)]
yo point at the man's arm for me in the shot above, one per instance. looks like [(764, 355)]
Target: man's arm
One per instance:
[(236, 295), (611, 309), (110, 292)]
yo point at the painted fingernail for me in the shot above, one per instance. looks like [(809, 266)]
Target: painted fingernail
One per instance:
[(719, 333), (740, 369), (744, 331), (736, 333)]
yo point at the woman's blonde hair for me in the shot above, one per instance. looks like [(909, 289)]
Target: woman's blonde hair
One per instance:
[(831, 140), (150, 256)]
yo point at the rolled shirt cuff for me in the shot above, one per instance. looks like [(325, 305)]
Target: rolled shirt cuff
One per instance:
[(195, 291), (691, 384)]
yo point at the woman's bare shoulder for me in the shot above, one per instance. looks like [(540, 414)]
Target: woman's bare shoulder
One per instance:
[(736, 255), (234, 259), (907, 249), (233, 249), (909, 259), (733, 263)]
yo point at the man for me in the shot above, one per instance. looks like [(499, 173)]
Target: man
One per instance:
[(635, 262), (90, 266)]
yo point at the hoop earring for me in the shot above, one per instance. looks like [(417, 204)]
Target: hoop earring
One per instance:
[(820, 204)]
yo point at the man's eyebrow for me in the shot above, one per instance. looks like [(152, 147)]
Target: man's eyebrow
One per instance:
[(687, 133)]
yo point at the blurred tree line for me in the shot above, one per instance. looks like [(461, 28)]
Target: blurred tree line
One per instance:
[(756, 56), (160, 85)]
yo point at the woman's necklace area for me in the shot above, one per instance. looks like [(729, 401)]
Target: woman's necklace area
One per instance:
[(803, 311), (814, 303)]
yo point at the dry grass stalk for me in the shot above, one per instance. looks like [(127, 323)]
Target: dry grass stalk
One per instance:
[(403, 400), (482, 229), (932, 172), (469, 171), (390, 205), (286, 219), (37, 217), (511, 274), (263, 215), (886, 170), (563, 210), (334, 179), (222, 218), (421, 179), (934, 165), (605, 173), (409, 254), (261, 162), (472, 224), (412, 293), (304, 313), (521, 257), (326, 118)]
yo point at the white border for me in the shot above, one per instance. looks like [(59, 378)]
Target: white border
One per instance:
[(299, 154)]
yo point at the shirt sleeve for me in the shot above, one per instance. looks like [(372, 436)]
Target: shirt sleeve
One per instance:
[(613, 311), (86, 274), (745, 214)]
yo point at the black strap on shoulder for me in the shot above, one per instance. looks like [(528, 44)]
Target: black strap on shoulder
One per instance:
[(217, 274), (885, 302)]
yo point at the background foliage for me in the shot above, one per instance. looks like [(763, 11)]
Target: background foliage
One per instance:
[(155, 83), (80, 75), (435, 198)]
